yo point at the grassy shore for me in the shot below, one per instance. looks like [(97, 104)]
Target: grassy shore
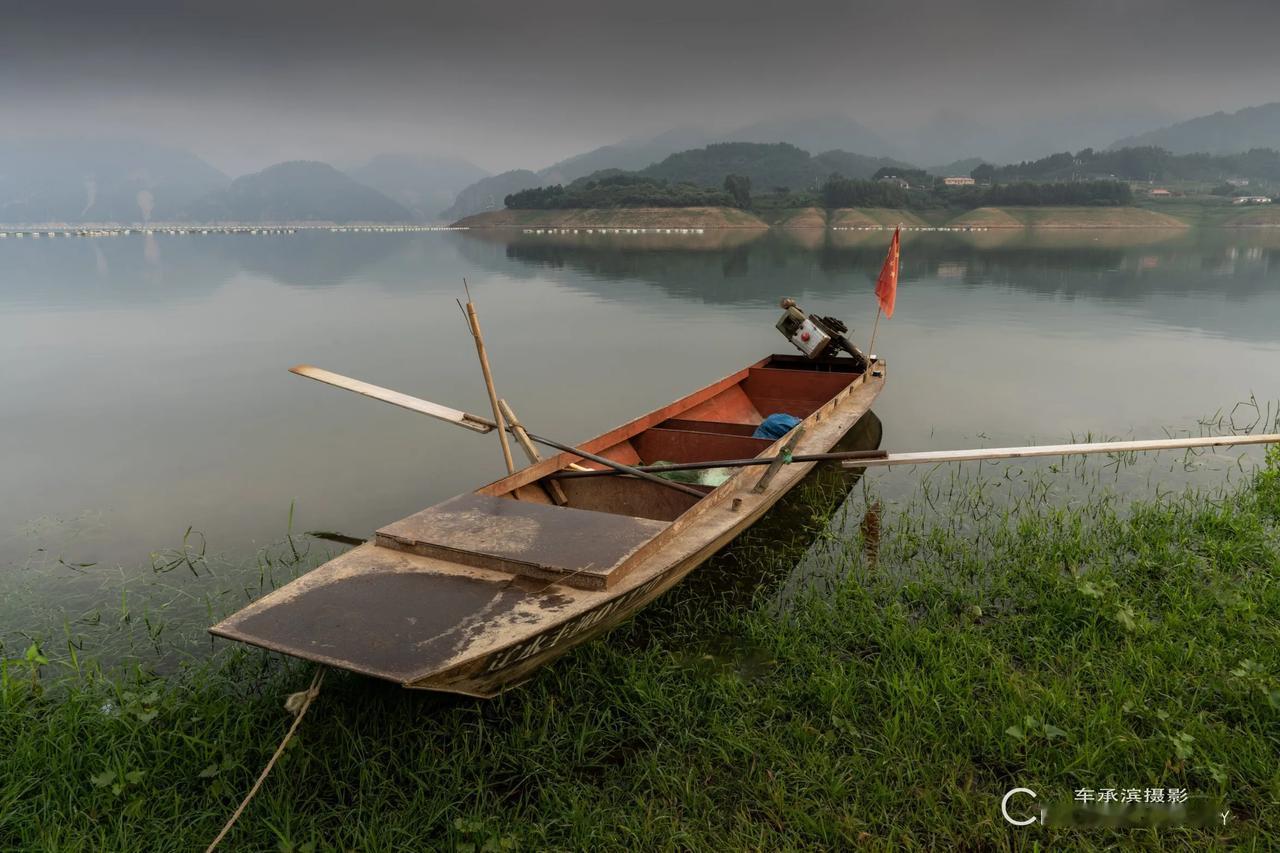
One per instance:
[(887, 703)]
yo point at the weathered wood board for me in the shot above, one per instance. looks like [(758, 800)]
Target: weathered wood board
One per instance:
[(577, 547)]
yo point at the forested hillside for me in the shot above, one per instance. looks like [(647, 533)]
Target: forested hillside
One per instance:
[(1146, 163)]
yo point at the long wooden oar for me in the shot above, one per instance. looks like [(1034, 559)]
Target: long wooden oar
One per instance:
[(838, 456), (470, 421), (395, 398), (867, 458), (986, 453)]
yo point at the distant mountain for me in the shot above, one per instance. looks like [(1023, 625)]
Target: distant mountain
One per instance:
[(299, 191), (488, 193), (1220, 133), (811, 133), (767, 165), (1145, 163), (814, 133), (72, 180), (856, 165), (946, 135), (630, 154), (951, 134), (957, 168), (424, 184)]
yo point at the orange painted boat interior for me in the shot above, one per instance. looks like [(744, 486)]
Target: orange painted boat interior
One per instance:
[(715, 422)]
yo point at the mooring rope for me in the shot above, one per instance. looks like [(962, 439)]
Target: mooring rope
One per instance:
[(297, 704)]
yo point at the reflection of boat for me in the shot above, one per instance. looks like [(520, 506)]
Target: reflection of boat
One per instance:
[(474, 594), (763, 558)]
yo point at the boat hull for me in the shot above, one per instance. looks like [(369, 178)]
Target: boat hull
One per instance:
[(444, 624), (508, 667)]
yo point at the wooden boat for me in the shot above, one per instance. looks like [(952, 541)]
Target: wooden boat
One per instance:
[(476, 593)]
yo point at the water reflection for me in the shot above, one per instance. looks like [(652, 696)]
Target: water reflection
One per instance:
[(147, 386), (758, 564), (1121, 264), (1124, 266)]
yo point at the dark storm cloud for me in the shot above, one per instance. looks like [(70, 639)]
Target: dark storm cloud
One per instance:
[(524, 84)]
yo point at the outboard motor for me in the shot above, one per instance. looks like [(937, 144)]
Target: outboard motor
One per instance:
[(817, 337)]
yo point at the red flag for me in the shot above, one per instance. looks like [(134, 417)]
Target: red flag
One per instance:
[(887, 284)]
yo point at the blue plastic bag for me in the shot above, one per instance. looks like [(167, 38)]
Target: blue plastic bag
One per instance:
[(776, 426)]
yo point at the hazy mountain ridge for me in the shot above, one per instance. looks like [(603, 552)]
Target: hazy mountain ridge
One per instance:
[(297, 191), (424, 184), (71, 180), (629, 156), (488, 193), (815, 133), (856, 165), (822, 133), (133, 181), (957, 167), (1217, 133), (775, 164), (949, 136)]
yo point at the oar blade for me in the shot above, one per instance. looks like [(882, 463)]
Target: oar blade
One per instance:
[(395, 398)]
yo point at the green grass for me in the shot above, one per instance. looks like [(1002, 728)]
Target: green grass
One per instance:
[(1039, 643)]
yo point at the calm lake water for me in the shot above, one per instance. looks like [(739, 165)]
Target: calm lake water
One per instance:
[(144, 387)]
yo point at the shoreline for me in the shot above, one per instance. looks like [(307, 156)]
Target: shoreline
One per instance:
[(1083, 672), (49, 230), (877, 219), (703, 219)]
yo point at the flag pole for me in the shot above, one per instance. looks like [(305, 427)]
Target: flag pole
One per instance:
[(871, 348)]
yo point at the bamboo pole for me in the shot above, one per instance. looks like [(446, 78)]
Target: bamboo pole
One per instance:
[(517, 429), (474, 322)]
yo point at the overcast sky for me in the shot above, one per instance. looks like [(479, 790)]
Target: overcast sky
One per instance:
[(524, 84)]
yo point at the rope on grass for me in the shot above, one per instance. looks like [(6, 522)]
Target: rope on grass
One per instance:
[(297, 704)]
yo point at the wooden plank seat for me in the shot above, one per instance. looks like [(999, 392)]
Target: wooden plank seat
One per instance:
[(677, 445), (718, 427), (577, 547)]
